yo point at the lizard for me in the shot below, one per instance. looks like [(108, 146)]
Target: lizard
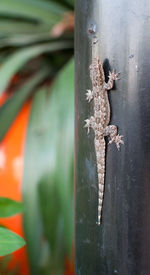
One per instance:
[(100, 122)]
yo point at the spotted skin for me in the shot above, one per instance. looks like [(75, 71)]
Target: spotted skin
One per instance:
[(99, 122)]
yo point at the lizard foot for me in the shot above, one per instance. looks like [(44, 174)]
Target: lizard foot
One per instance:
[(118, 140), (89, 123), (89, 95), (113, 76)]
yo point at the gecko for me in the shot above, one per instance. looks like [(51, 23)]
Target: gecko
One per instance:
[(100, 122)]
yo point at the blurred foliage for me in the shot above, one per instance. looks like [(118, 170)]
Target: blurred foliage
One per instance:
[(36, 43), (9, 207), (9, 241), (47, 187)]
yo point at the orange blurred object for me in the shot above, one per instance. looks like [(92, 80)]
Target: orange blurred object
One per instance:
[(69, 266), (11, 173)]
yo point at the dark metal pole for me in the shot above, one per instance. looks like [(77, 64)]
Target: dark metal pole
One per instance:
[(121, 245)]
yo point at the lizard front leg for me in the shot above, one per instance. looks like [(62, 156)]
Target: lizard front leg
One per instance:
[(89, 123), (112, 76), (112, 132), (89, 95)]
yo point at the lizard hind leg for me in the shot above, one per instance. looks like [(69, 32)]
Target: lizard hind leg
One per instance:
[(89, 123), (112, 132)]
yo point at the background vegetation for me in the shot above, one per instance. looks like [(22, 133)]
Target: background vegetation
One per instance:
[(36, 49)]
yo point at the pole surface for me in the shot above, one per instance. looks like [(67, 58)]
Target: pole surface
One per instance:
[(121, 245)]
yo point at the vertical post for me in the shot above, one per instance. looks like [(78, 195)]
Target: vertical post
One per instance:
[(121, 245)]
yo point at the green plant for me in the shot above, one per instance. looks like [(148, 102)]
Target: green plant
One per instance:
[(48, 182), (37, 55), (9, 241)]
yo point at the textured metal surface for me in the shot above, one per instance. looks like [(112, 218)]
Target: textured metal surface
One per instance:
[(121, 245)]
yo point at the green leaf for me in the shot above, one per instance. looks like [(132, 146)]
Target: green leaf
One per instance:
[(61, 151), (70, 2), (36, 161), (12, 27), (11, 107), (9, 207), (25, 39), (14, 62), (48, 171), (41, 10), (9, 242)]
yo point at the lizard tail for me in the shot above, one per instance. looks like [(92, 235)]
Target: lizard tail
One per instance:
[(100, 155)]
